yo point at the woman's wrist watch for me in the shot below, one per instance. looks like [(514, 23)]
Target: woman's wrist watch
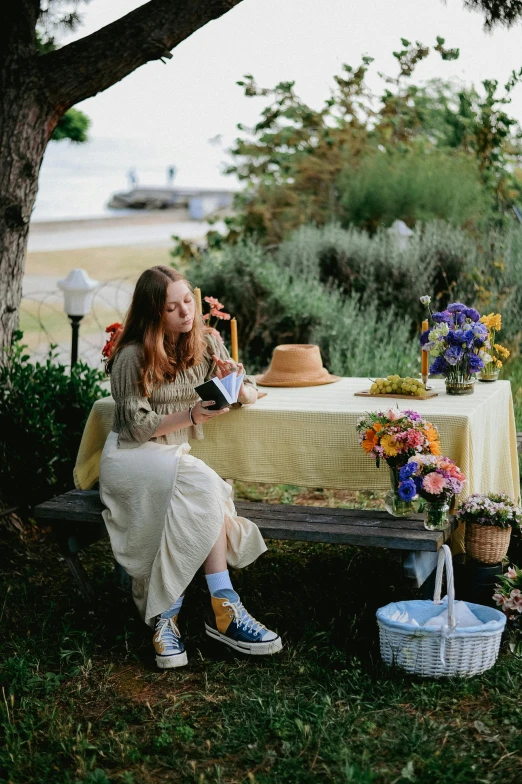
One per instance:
[(191, 408)]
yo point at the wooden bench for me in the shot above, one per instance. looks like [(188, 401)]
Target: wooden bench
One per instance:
[(76, 520)]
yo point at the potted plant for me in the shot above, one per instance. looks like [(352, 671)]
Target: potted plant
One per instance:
[(395, 436), (459, 341), (489, 519), (435, 478)]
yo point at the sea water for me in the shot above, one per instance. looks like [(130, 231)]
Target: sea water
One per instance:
[(77, 180)]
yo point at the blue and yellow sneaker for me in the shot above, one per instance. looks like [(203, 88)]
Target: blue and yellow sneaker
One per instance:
[(170, 651), (234, 626)]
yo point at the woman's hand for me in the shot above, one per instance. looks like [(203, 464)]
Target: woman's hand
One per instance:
[(247, 394), (226, 366), (202, 414)]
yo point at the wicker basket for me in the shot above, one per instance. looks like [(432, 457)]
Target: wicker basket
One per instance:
[(487, 543), (437, 652)]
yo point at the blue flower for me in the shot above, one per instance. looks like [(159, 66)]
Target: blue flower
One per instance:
[(407, 490), (439, 366), (441, 317), (407, 470), (457, 307), (453, 355), (424, 338), (453, 338), (475, 363), (463, 337), (460, 318), (472, 314)]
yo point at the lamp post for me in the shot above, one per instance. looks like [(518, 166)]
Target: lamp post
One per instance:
[(399, 230), (78, 289)]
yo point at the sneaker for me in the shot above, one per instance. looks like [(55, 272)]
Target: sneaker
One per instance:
[(234, 626), (170, 651)]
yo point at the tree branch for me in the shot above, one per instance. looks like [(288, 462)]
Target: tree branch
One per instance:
[(94, 63)]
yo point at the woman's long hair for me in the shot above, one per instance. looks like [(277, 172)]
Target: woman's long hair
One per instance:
[(144, 325)]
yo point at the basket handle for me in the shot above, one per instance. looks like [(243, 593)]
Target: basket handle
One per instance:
[(445, 558)]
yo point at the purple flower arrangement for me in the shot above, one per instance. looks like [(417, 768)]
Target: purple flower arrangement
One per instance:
[(458, 340), (434, 477)]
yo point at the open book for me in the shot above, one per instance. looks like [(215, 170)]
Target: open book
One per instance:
[(223, 390)]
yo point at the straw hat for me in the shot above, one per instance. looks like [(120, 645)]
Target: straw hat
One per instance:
[(296, 365)]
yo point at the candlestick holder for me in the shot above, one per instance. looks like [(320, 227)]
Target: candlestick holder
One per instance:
[(425, 377)]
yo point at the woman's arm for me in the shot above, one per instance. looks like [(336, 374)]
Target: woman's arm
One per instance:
[(197, 415)]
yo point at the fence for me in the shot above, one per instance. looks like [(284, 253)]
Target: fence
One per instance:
[(45, 323)]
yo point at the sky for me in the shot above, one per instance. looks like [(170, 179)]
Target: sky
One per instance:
[(172, 110)]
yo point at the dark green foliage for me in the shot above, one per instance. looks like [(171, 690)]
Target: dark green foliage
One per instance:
[(72, 125), (43, 410)]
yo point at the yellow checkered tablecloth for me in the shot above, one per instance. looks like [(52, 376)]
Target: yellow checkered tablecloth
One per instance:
[(307, 437)]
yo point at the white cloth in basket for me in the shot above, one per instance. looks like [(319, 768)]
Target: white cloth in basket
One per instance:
[(463, 617)]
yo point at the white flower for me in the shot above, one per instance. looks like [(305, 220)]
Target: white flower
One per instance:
[(425, 300)]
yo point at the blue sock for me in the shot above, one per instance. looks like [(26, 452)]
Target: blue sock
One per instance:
[(218, 581), (174, 610)]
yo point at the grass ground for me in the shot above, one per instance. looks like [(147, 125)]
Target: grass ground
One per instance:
[(83, 702), (100, 263)]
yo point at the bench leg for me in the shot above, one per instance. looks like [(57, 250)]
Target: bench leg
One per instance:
[(80, 576), (420, 566)]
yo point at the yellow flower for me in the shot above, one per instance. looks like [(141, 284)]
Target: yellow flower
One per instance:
[(389, 446), (493, 321), (504, 352), (498, 363)]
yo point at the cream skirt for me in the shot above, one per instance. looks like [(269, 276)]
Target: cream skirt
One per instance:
[(164, 512)]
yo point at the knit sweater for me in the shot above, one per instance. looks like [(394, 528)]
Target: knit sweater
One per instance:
[(137, 417)]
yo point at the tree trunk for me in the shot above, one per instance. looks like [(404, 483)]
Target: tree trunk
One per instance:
[(24, 132), (36, 90)]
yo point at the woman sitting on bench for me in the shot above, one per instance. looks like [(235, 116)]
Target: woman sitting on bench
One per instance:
[(167, 512)]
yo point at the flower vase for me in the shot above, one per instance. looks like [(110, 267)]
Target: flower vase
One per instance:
[(459, 383), (394, 503), (489, 372), (436, 515)]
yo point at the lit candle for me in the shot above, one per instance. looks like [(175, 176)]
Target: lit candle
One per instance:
[(197, 297), (424, 355), (233, 339)]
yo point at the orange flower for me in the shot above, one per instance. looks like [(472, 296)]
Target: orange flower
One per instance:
[(435, 448), (371, 439), (377, 427)]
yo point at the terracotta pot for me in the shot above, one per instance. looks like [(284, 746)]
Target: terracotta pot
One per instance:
[(487, 543)]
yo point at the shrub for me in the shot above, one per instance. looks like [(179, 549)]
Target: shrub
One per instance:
[(43, 410), (276, 304), (418, 185)]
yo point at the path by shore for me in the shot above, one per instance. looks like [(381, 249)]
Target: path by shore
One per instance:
[(144, 229)]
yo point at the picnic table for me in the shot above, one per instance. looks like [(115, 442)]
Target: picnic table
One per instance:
[(307, 437)]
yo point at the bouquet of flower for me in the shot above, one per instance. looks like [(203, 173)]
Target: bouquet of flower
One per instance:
[(434, 477), (396, 436), (458, 340), (113, 331), (493, 323), (496, 509), (508, 596)]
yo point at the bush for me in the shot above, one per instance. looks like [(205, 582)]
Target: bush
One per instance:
[(417, 185), (276, 303), (43, 410)]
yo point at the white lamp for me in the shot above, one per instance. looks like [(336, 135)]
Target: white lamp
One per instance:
[(78, 289), (401, 232)]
